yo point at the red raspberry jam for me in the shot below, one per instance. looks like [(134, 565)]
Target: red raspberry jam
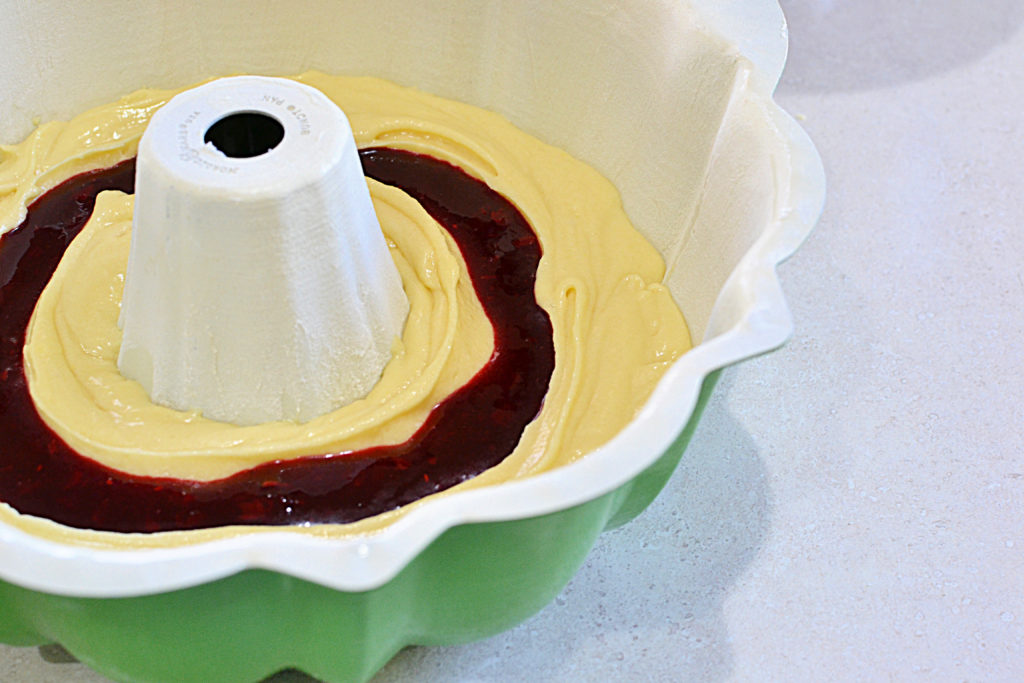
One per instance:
[(470, 431)]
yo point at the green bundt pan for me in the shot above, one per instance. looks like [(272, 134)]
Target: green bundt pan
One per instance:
[(678, 114)]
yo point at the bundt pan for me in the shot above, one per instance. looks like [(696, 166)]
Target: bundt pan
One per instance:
[(671, 100)]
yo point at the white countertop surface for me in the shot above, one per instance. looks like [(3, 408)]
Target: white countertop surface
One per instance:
[(852, 506)]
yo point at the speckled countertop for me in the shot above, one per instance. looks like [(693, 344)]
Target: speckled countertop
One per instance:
[(852, 506)]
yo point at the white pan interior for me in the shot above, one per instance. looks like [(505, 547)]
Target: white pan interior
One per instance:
[(670, 100)]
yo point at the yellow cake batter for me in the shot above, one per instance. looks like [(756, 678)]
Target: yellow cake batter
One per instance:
[(615, 326)]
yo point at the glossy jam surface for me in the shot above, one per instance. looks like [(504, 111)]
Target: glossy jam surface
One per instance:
[(472, 430)]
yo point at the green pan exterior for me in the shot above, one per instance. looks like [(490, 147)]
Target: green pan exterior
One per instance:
[(474, 581)]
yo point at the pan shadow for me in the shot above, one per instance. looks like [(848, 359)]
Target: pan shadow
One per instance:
[(648, 602), (844, 45)]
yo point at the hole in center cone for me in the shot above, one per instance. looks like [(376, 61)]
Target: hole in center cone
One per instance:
[(245, 134)]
